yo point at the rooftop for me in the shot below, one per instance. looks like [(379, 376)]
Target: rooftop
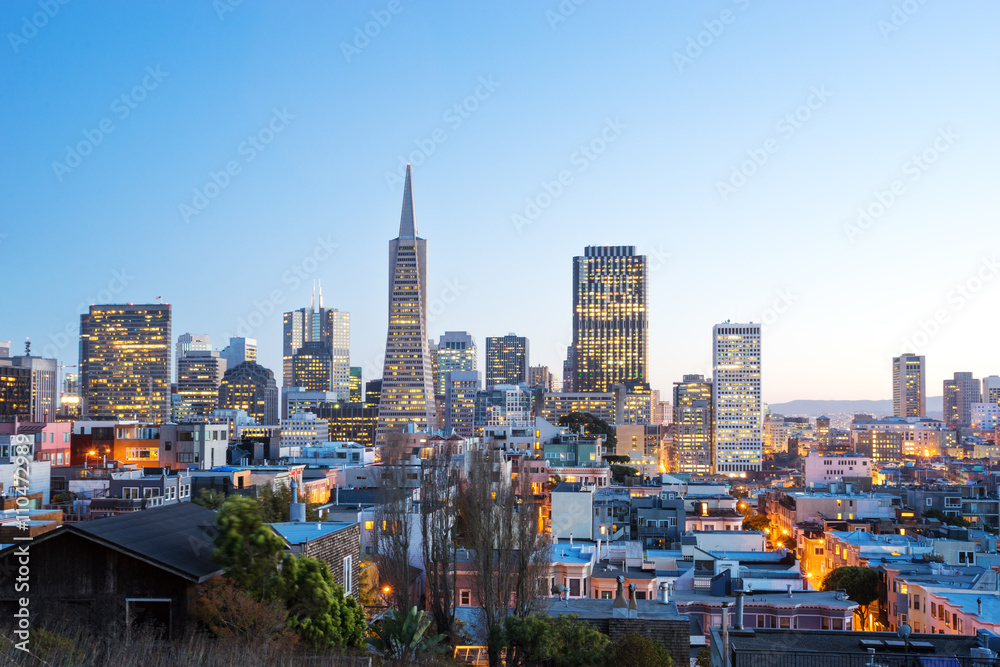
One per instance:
[(298, 532)]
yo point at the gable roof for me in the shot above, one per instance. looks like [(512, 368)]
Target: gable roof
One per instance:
[(177, 538)]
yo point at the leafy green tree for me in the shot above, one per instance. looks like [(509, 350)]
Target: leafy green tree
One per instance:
[(949, 520), (318, 610), (563, 641), (861, 584), (638, 651), (402, 640), (617, 458), (756, 522), (704, 658), (619, 473), (592, 425), (230, 613), (247, 550), (210, 498), (275, 504)]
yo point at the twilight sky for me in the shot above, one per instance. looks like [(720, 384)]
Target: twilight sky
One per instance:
[(224, 155)]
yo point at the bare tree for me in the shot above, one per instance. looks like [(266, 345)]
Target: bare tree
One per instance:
[(437, 530), (507, 552), (393, 531)]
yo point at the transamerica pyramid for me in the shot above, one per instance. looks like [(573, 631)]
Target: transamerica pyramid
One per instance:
[(407, 387)]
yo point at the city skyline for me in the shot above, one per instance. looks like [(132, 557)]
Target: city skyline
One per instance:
[(637, 142)]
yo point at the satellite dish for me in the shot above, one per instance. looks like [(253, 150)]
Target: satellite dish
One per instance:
[(904, 631)]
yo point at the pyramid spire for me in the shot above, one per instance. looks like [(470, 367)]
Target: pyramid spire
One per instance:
[(407, 223)]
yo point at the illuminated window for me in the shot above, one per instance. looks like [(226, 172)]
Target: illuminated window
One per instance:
[(370, 525)]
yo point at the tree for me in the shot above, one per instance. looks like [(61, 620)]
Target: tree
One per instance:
[(619, 473), (247, 550), (861, 584), (588, 423), (394, 524), (563, 641), (704, 658), (230, 613), (319, 612), (441, 478), (210, 498), (757, 522), (616, 458), (402, 639), (949, 520), (275, 501), (638, 651), (507, 553)]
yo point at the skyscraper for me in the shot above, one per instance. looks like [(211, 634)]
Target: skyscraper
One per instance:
[(44, 392), (738, 432), (908, 397), (190, 341), (693, 425), (455, 351), (199, 374), (312, 367), (959, 395), (407, 393), (610, 328), (506, 360), (321, 325), (252, 388), (539, 376), (460, 401), (125, 362), (357, 386), (239, 350)]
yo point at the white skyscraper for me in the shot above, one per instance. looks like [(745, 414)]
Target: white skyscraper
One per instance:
[(739, 436)]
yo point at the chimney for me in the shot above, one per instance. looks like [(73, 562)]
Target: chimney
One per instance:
[(725, 633), (739, 607), (620, 607), (789, 590), (633, 610), (979, 607), (664, 593), (571, 539), (297, 510)]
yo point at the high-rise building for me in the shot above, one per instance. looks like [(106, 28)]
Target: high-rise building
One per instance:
[(239, 350), (540, 377), (610, 331), (15, 392), (633, 403), (4, 349), (193, 342), (125, 362), (250, 387), (320, 325), (357, 386), (312, 367), (959, 395), (504, 405), (199, 374), (692, 441), (407, 393), (908, 397), (44, 381), (373, 393), (506, 360), (738, 434), (461, 388), (991, 389), (454, 351), (569, 370)]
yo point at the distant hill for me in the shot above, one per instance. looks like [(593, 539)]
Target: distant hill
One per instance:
[(878, 408)]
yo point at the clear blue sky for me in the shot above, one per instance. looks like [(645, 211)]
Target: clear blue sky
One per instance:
[(198, 81)]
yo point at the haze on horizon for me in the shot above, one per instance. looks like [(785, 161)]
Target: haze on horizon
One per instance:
[(235, 155)]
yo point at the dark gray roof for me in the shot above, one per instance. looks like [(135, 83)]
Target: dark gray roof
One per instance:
[(356, 497), (841, 642), (177, 538)]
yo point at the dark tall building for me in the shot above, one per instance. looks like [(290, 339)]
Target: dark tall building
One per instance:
[(44, 393), (959, 395), (373, 392), (15, 392), (312, 367), (252, 388), (407, 384), (506, 360), (357, 386), (610, 328), (125, 365)]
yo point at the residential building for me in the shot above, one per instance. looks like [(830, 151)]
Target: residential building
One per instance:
[(125, 362), (199, 375), (52, 439), (407, 391), (461, 389), (736, 404), (97, 442), (693, 428), (198, 446), (454, 351), (821, 469), (610, 319), (503, 405), (303, 429), (506, 360), (908, 378), (560, 404), (15, 391), (633, 402), (539, 377), (960, 393), (44, 389)]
